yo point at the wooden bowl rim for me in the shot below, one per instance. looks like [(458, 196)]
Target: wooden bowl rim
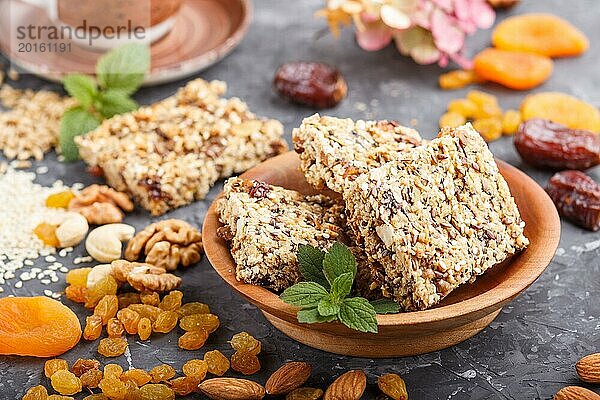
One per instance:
[(216, 249)]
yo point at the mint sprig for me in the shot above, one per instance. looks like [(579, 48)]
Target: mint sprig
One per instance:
[(323, 297), (119, 73)]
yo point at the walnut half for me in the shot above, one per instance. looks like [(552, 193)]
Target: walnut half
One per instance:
[(101, 205), (167, 244), (144, 277)]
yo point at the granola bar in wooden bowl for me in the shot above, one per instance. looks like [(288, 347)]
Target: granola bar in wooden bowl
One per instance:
[(421, 231)]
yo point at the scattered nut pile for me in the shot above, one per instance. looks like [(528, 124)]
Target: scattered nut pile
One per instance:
[(588, 370)]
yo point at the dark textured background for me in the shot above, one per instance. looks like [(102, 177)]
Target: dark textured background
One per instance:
[(528, 352)]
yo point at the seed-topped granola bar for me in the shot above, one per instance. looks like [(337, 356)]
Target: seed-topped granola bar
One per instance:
[(334, 151), (435, 218), (170, 153)]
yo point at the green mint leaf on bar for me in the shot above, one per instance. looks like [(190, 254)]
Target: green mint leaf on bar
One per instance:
[(124, 68), (310, 262), (328, 307), (82, 87), (304, 294), (358, 314), (342, 285), (113, 102), (385, 306), (338, 260), (312, 316), (75, 121)]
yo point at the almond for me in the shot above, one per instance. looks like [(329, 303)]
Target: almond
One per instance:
[(349, 386), (575, 393), (231, 389), (588, 368), (288, 377)]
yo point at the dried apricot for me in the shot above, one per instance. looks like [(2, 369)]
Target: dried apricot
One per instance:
[(65, 382), (208, 322), (112, 347), (245, 362), (217, 363), (544, 34), (60, 199), (243, 341), (458, 79), (130, 320), (139, 376), (93, 327), (193, 307), (513, 69), (510, 122), (451, 120), (162, 373), (47, 234), (36, 393), (193, 340), (78, 276), (185, 385), (561, 108), (144, 328), (36, 326)]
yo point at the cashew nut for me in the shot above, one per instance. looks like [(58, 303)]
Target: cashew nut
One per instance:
[(98, 273), (72, 230), (104, 242)]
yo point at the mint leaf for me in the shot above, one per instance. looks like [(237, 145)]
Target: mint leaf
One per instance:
[(310, 262), (304, 294), (113, 102), (312, 316), (82, 87), (75, 121), (342, 285), (124, 68), (328, 307), (385, 306), (338, 260), (357, 313)]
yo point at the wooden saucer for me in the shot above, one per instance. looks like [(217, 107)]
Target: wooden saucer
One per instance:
[(204, 32), (461, 315)]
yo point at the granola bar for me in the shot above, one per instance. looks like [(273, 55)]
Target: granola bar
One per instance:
[(170, 153), (435, 218), (334, 151), (265, 224)]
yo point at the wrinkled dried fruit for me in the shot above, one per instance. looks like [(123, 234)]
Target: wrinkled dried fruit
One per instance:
[(56, 364), (563, 109), (113, 388), (393, 386), (540, 33), (82, 366), (144, 328), (105, 286), (47, 234), (36, 393), (451, 120), (112, 347), (91, 378), (465, 107), (288, 377), (172, 301), (65, 382), (78, 276), (93, 327), (185, 385), (130, 320), (113, 371), (166, 321), (193, 340), (542, 143), (208, 322), (486, 104), (107, 308), (36, 326), (231, 389), (245, 362), (139, 376), (588, 368), (162, 373), (157, 391), (313, 84), (304, 393), (60, 397), (457, 79), (217, 363), (151, 298), (510, 122), (114, 328), (193, 308), (513, 69), (78, 294), (576, 197), (126, 299), (196, 368), (146, 311), (60, 199), (348, 386), (490, 129), (243, 341)]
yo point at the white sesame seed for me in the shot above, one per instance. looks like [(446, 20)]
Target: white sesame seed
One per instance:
[(45, 281), (28, 262), (62, 253), (35, 270), (18, 284), (55, 295), (50, 258), (42, 170), (54, 279), (64, 270), (48, 292)]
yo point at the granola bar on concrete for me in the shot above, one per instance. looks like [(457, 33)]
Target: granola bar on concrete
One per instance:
[(264, 225), (435, 218), (170, 153), (334, 151)]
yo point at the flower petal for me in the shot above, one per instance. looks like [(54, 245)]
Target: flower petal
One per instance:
[(418, 43), (375, 37), (394, 18), (446, 34)]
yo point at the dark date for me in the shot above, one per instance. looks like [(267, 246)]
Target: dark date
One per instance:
[(576, 197)]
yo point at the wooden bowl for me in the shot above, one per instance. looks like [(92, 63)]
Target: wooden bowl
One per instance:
[(461, 315)]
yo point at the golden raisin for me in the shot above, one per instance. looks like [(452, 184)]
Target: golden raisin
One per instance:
[(105, 286), (114, 328), (151, 298), (304, 393), (93, 327), (193, 308), (60, 397), (510, 122), (243, 341), (185, 385), (162, 373), (144, 328), (172, 301), (112, 347), (130, 320), (451, 120), (65, 382), (393, 386), (82, 366), (217, 363), (78, 294), (208, 322), (47, 234), (113, 388), (60, 199), (126, 299), (490, 129), (96, 396), (157, 391), (36, 393), (107, 308), (193, 340), (53, 365), (139, 376), (91, 379), (113, 371), (487, 104), (146, 311), (457, 79), (197, 368), (465, 107), (166, 321), (133, 392), (78, 276), (245, 362)]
